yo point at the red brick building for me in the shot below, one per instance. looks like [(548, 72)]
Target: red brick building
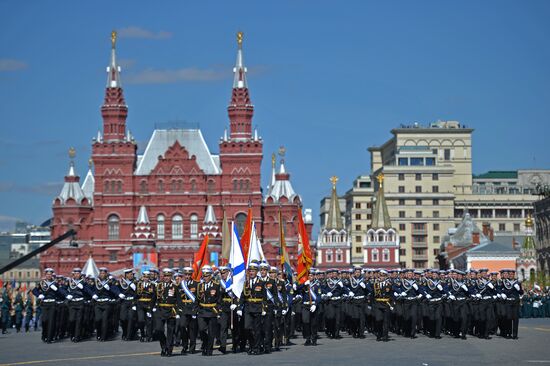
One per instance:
[(155, 208)]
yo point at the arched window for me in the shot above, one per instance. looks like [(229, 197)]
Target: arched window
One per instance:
[(177, 227), (194, 226), (161, 186), (119, 187), (143, 186), (339, 255), (380, 236), (113, 223), (193, 186), (329, 255), (160, 227), (113, 188), (235, 183), (386, 255), (210, 186), (374, 255), (240, 219), (106, 188)]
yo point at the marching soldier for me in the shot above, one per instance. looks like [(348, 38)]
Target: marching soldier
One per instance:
[(48, 293), (146, 299), (252, 305), (78, 292), (228, 319), (435, 291), (188, 311), (357, 302), (128, 307), (333, 290), (279, 318), (209, 299), (105, 293), (511, 292), (458, 294), (382, 291), (272, 307), (311, 293), (168, 301)]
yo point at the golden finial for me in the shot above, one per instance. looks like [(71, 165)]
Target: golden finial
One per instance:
[(529, 221), (380, 179), (334, 180), (113, 38), (240, 38), (72, 152), (273, 160), (90, 163)]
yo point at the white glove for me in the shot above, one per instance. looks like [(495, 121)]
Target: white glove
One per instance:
[(95, 297), (312, 308), (80, 286), (177, 316), (294, 286), (134, 308), (283, 312), (391, 308), (499, 295), (306, 283), (193, 317), (478, 296), (292, 313), (419, 296), (495, 297), (439, 287), (275, 312), (362, 284), (490, 285), (154, 309), (133, 286), (464, 287), (351, 294), (403, 294), (415, 286), (340, 284), (452, 297), (122, 296), (233, 307), (516, 286), (239, 312), (53, 287), (395, 294), (428, 296), (329, 294), (41, 297), (263, 313), (149, 314), (106, 287), (504, 296), (69, 297)]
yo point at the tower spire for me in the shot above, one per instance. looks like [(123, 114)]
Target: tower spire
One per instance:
[(113, 70), (334, 214), (239, 80), (381, 217), (114, 109), (240, 108)]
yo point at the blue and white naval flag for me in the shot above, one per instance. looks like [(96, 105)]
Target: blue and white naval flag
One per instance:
[(236, 262)]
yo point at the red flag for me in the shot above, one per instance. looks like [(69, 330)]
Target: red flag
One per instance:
[(304, 250), (200, 258), (245, 238)]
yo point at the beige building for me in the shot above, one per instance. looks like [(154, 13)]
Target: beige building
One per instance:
[(423, 167)]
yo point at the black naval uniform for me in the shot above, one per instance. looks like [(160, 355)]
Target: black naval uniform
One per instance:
[(333, 291), (272, 306), (209, 298), (106, 292), (253, 304), (128, 308), (511, 292), (49, 293), (146, 300), (357, 302), (188, 315), (228, 319), (435, 292), (458, 294), (78, 293), (168, 300), (311, 297), (382, 295)]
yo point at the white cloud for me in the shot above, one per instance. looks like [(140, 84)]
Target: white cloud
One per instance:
[(8, 64), (138, 32), (153, 76)]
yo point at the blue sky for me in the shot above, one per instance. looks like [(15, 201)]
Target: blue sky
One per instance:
[(328, 79)]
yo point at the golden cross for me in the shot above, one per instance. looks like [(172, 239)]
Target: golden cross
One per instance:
[(72, 152), (380, 178), (334, 180)]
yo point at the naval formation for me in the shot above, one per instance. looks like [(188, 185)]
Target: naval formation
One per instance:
[(170, 307)]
